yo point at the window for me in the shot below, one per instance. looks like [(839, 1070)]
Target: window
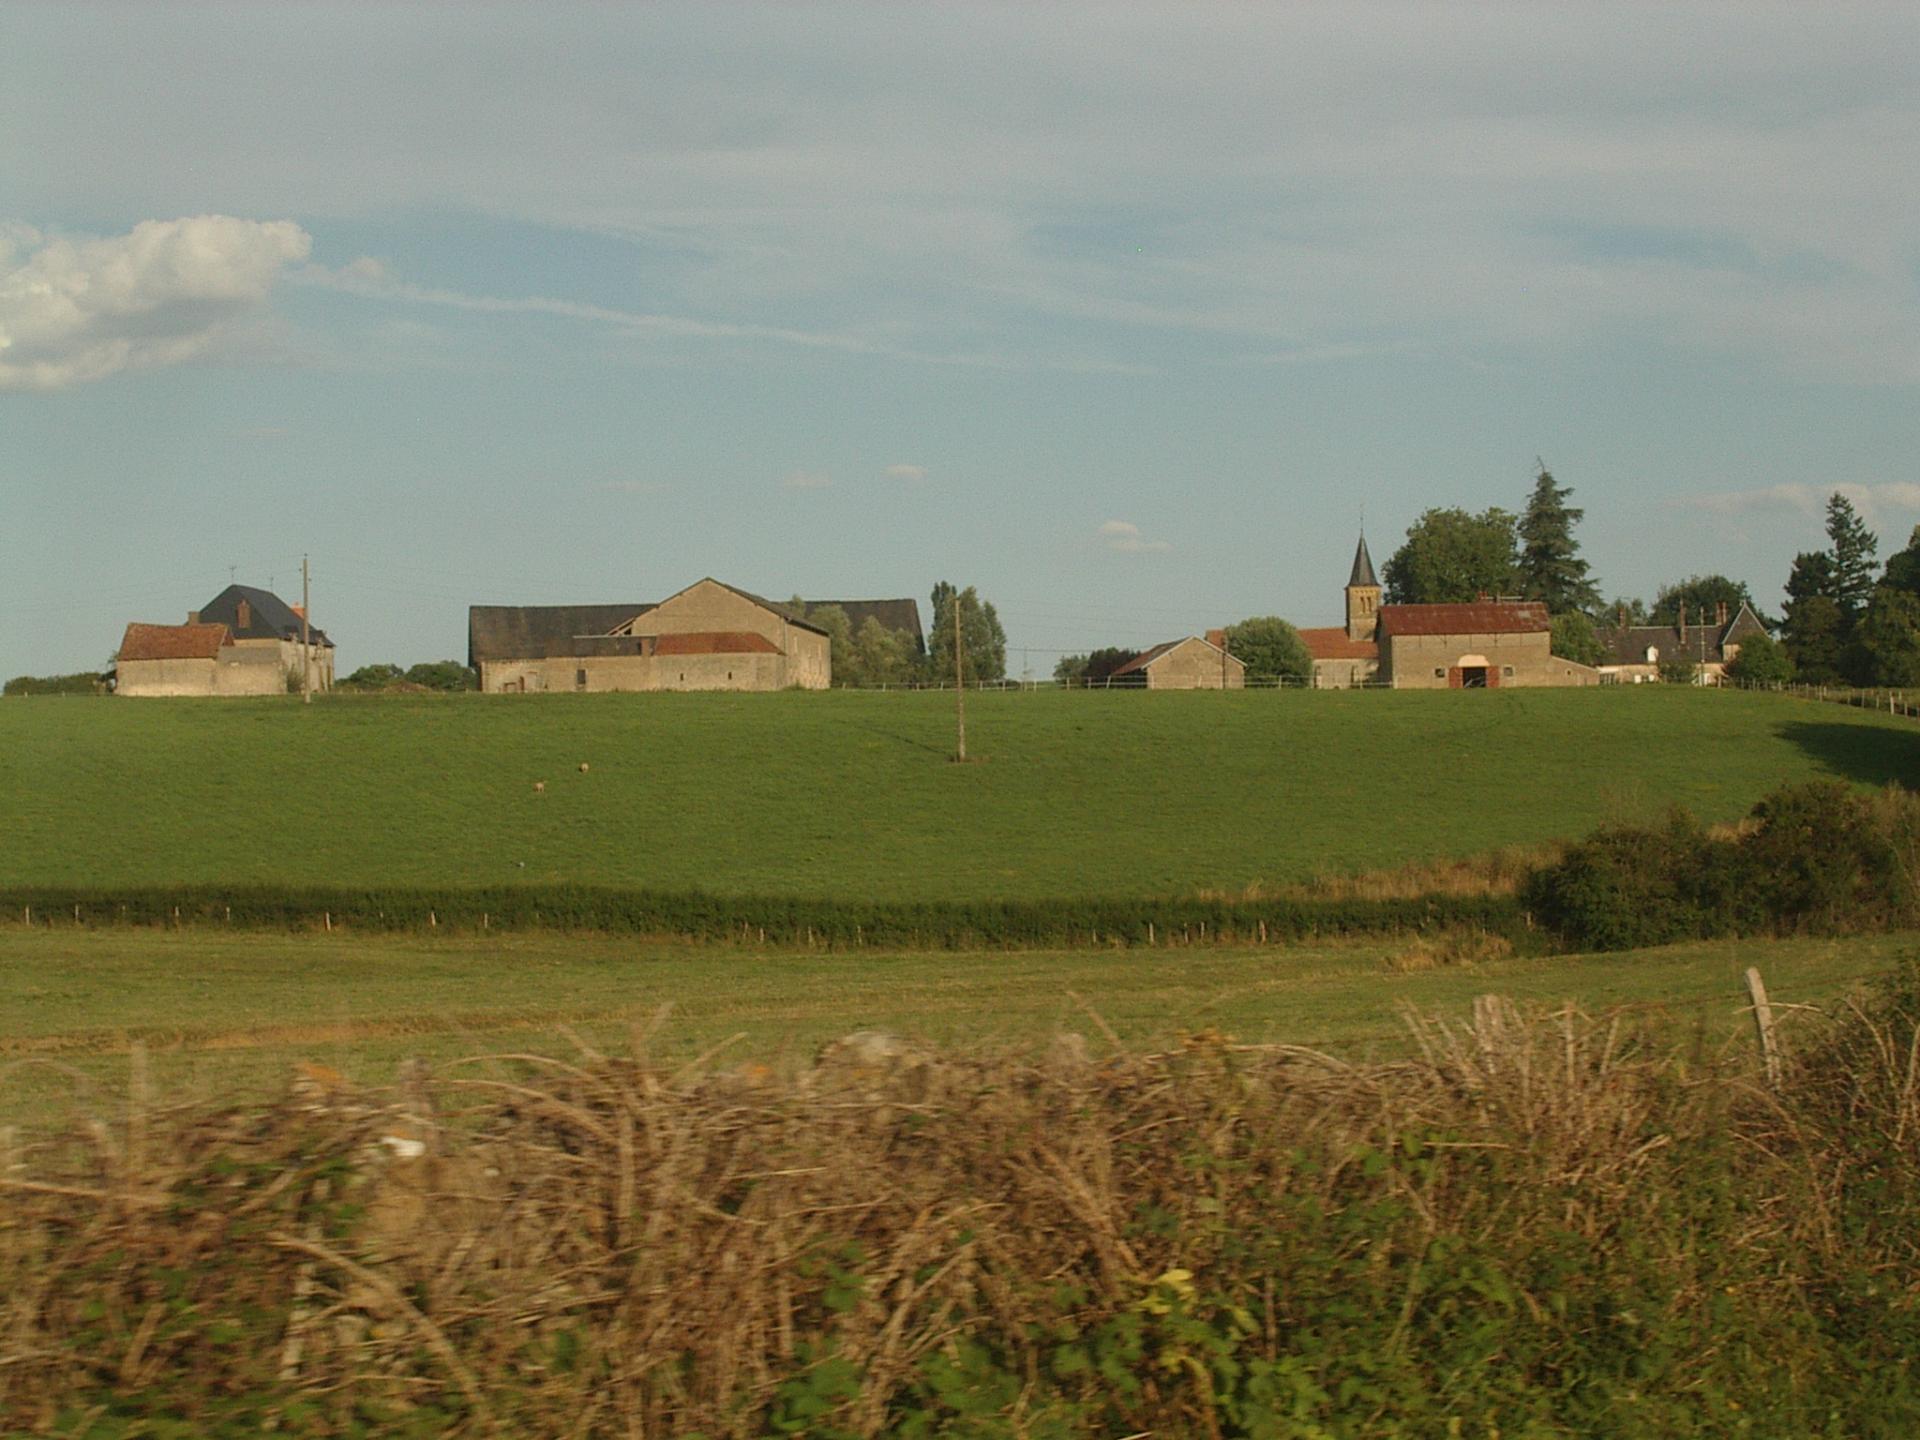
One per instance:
[(580, 679), (1439, 672), (1506, 670)]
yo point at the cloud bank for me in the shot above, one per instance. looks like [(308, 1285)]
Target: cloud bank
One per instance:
[(1125, 537), (168, 291)]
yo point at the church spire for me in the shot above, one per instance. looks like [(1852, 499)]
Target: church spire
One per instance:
[(1362, 566)]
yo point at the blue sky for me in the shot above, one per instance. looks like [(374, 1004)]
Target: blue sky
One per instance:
[(1123, 314)]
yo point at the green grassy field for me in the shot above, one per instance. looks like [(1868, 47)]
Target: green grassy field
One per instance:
[(223, 1016), (850, 794)]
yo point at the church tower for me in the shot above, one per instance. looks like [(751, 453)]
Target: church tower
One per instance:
[(1363, 595)]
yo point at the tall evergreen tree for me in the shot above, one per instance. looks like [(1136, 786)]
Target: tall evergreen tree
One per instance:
[(1855, 551), (1550, 565), (1814, 628)]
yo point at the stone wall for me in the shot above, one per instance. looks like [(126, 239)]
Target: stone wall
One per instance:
[(1195, 665)]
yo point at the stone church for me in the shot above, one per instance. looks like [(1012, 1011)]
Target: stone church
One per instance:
[(1487, 644)]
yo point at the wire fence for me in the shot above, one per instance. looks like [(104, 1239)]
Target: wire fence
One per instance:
[(1888, 700)]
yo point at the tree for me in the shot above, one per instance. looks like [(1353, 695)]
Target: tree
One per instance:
[(1625, 611), (840, 657), (983, 642), (1903, 567), (1095, 668), (1451, 556), (1702, 595), (1270, 648), (373, 677), (1814, 627), (1550, 565), (1575, 639), (880, 655), (1678, 669), (1853, 550), (442, 675), (1762, 660), (1886, 642)]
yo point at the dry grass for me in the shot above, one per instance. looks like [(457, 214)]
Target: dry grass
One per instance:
[(602, 1247)]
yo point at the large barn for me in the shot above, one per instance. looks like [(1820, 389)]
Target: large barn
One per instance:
[(709, 636)]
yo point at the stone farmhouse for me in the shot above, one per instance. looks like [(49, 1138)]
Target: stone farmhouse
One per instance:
[(709, 636), (1189, 664), (1636, 651), (1486, 644), (245, 641)]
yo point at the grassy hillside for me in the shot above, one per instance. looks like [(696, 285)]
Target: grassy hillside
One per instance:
[(223, 1015), (850, 794)]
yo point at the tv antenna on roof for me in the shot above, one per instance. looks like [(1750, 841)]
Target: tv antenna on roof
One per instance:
[(233, 573)]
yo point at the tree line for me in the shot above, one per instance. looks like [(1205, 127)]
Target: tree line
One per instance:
[(877, 655)]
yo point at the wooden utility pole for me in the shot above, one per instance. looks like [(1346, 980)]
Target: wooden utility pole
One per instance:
[(959, 681), (306, 631)]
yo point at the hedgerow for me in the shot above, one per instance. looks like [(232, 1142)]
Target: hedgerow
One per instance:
[(1542, 1226), (778, 920)]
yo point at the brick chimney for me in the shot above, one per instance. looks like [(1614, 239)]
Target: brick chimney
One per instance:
[(1683, 618), (193, 617), (1217, 639), (1720, 613)]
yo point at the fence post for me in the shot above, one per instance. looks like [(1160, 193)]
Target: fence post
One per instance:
[(1763, 1024)]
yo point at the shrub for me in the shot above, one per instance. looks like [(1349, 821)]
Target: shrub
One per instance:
[(1816, 858), (1762, 660)]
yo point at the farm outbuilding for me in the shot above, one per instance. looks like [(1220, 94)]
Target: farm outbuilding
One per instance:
[(1485, 645), (188, 660), (709, 636), (1189, 664)]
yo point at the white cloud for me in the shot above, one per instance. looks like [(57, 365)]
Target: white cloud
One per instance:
[(806, 480), (166, 292), (1125, 537), (906, 472), (1874, 502)]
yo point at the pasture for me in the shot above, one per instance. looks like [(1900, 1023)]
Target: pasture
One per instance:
[(223, 1016), (850, 794)]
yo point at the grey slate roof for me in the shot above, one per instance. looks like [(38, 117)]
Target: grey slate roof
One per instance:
[(268, 618), (902, 616), (541, 632), (1703, 644), (1362, 567), (538, 632)]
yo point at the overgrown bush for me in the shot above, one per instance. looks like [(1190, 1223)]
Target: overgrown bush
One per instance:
[(84, 683), (1541, 1226), (1817, 858)]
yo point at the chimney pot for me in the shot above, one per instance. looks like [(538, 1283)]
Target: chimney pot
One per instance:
[(193, 617)]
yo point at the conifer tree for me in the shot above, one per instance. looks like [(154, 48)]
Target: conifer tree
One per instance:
[(1855, 551), (1550, 565)]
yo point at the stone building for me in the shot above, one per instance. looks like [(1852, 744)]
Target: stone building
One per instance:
[(244, 641), (192, 660), (1486, 644), (1189, 664), (709, 636), (1348, 655), (1635, 652), (260, 622)]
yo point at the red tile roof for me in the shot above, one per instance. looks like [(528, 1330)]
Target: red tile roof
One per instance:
[(173, 642), (1486, 617), (716, 642), (1333, 643)]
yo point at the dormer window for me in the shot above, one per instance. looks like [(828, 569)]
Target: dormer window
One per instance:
[(243, 618), (1653, 654)]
